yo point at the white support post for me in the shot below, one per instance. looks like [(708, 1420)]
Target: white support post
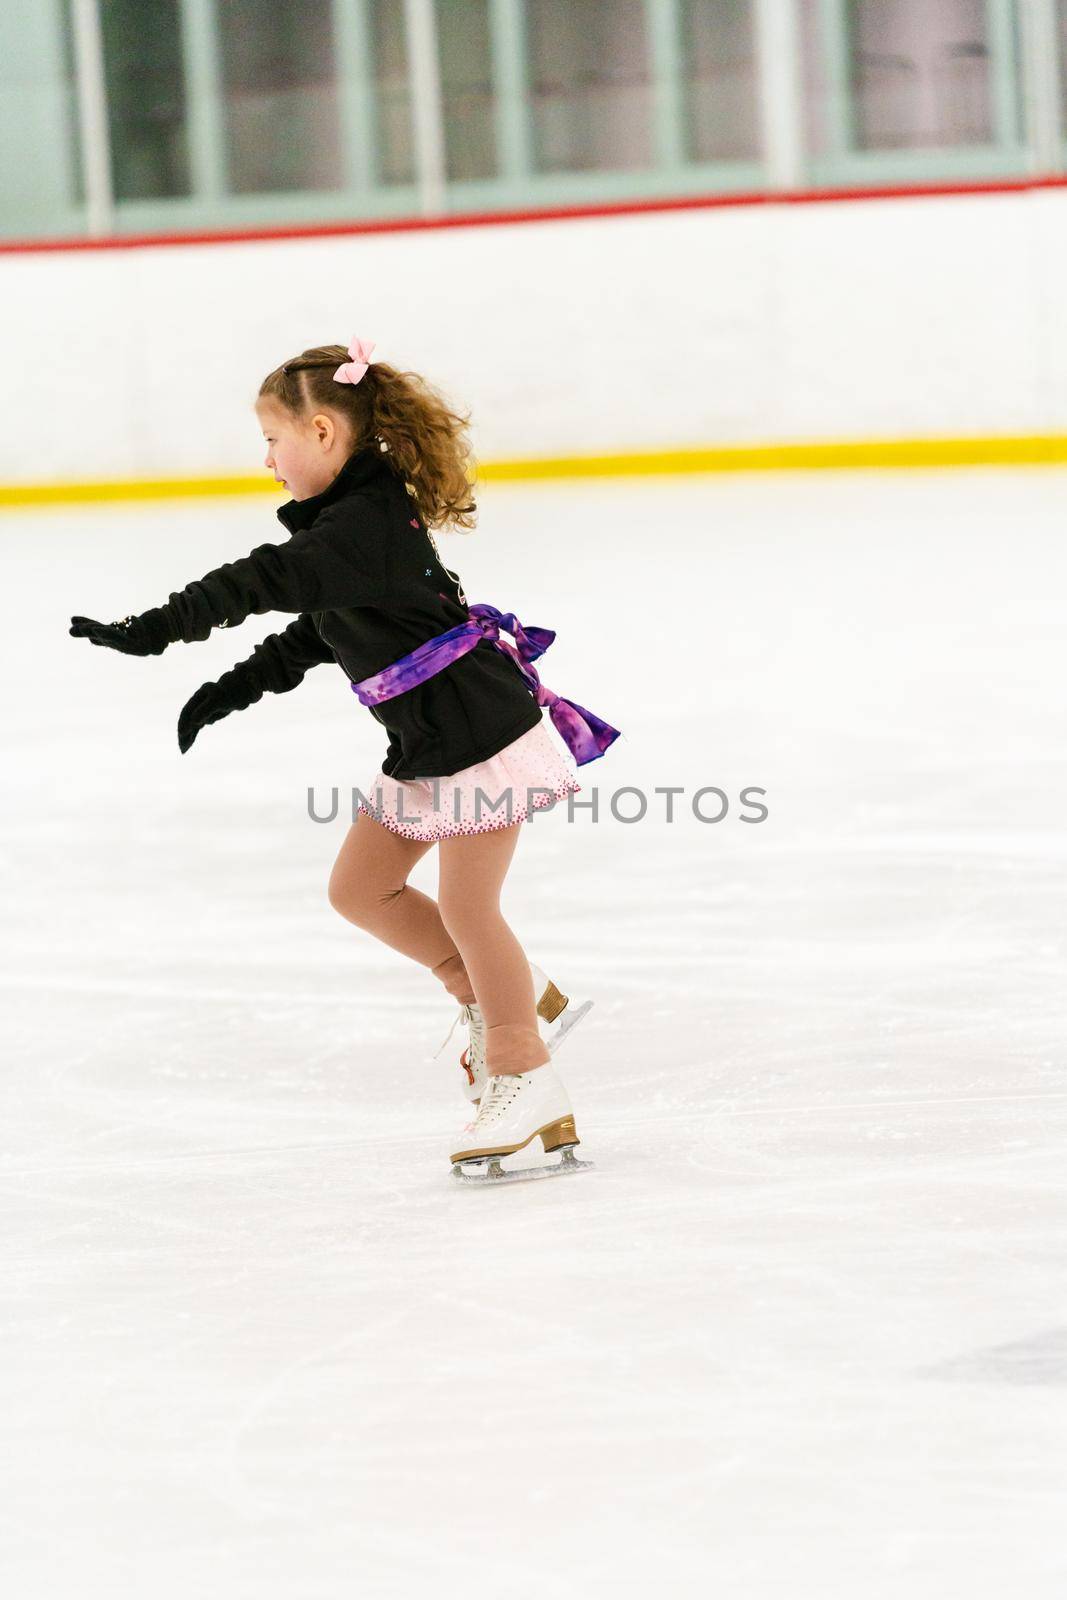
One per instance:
[(670, 134), (426, 106), (511, 101), (356, 91), (781, 103), (92, 117), (1043, 121), (204, 98)]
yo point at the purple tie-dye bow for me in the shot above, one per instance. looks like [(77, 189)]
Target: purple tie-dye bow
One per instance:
[(586, 736)]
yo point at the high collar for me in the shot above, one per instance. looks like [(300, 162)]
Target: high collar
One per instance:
[(363, 466)]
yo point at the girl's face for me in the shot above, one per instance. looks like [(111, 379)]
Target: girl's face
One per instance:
[(304, 455)]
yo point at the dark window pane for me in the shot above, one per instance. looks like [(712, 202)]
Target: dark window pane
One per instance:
[(589, 84), (467, 87), (280, 87), (146, 98), (722, 101)]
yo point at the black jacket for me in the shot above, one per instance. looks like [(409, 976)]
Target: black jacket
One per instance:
[(362, 573)]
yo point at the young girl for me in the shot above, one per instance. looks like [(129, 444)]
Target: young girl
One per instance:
[(374, 458)]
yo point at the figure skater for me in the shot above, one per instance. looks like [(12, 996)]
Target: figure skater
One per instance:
[(374, 458)]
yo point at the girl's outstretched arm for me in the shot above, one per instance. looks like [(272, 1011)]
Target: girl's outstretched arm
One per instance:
[(334, 563), (338, 561), (277, 664)]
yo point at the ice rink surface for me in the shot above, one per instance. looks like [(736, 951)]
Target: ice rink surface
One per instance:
[(802, 1332)]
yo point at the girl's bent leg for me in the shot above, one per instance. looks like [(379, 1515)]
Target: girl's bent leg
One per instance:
[(472, 871), (369, 887)]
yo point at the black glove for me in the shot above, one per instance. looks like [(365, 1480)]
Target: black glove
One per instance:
[(235, 690), (146, 635)]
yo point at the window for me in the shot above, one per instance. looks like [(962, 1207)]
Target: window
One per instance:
[(145, 98), (589, 84), (396, 145), (68, 78), (721, 89), (309, 108), (280, 91), (920, 73), (463, 37), (1061, 40)]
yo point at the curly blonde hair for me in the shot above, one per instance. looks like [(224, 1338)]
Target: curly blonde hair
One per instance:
[(426, 440)]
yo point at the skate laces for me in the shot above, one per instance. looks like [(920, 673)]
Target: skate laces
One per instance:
[(497, 1094), (475, 1019), (461, 1015)]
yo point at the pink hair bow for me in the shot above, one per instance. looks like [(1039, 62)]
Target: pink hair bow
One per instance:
[(352, 371)]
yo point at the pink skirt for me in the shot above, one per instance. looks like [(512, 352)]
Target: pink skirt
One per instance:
[(491, 794)]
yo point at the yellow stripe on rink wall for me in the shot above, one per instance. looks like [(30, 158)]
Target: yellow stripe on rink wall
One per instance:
[(1003, 450), (1012, 451), (75, 493)]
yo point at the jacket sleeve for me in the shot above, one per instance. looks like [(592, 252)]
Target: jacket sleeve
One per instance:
[(280, 661), (277, 664), (329, 565)]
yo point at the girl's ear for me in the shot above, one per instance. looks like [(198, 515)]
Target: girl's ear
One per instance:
[(326, 430)]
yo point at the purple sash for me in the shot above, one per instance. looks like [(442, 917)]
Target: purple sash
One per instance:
[(586, 736)]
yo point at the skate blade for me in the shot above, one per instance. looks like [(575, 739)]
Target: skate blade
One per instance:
[(487, 1169), (567, 1023)]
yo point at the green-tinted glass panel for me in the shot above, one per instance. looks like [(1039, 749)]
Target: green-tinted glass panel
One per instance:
[(40, 156), (721, 84), (145, 98)]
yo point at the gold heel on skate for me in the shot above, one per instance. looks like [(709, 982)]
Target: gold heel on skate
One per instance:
[(558, 1014), (552, 1002), (558, 1138), (559, 1134)]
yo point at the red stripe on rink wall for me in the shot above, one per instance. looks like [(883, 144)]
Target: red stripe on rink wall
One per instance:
[(491, 219)]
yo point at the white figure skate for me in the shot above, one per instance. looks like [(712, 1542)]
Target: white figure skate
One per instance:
[(557, 1015), (515, 1109)]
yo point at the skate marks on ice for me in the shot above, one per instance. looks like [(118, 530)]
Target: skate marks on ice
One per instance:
[(245, 1341), (1040, 1360)]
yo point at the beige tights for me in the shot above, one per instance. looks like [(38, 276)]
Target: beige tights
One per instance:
[(461, 937)]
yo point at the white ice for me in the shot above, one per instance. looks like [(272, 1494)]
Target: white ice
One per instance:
[(802, 1332)]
